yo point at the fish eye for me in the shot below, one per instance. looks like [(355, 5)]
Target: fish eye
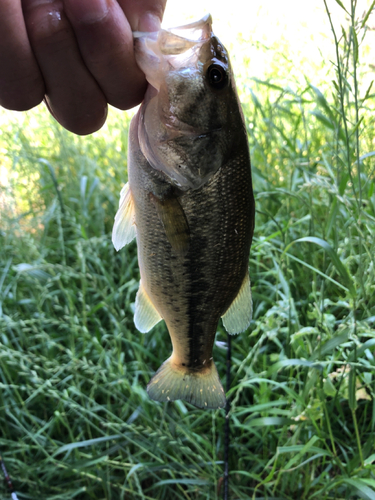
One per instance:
[(217, 76)]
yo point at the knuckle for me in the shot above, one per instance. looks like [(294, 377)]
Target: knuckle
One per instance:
[(128, 100), (21, 94), (19, 103), (82, 120), (16, 103), (46, 23)]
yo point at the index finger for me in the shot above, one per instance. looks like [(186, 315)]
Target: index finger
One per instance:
[(103, 29), (21, 83)]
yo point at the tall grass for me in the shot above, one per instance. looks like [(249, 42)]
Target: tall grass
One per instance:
[(75, 419)]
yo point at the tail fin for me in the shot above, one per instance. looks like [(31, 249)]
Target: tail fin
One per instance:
[(202, 389)]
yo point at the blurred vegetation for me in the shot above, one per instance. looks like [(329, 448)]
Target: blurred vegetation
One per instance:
[(75, 418)]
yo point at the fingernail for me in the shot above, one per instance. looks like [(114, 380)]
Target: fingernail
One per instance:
[(149, 22), (88, 11)]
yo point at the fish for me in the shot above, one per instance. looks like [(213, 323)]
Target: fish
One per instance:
[(189, 203)]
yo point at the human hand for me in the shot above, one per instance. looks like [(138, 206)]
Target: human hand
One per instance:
[(76, 54)]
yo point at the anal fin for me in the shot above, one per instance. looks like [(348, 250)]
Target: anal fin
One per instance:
[(124, 227), (145, 316), (238, 316)]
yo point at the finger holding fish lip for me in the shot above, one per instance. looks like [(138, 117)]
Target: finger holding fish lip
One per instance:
[(84, 49), (76, 54), (105, 40), (72, 94)]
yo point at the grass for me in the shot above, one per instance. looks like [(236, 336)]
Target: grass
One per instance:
[(75, 418)]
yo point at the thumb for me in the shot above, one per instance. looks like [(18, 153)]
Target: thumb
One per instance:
[(143, 15)]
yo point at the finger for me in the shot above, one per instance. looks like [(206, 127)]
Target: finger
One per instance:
[(72, 94), (106, 43), (21, 83), (144, 15)]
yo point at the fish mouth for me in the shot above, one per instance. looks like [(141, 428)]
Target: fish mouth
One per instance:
[(175, 40), (158, 52)]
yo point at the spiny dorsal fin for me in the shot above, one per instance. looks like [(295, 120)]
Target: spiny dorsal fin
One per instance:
[(124, 227), (145, 316), (174, 221), (238, 316)]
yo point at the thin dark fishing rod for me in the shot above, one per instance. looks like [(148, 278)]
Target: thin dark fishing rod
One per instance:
[(8, 480), (227, 426)]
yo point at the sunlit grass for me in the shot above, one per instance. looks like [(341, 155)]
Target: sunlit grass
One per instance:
[(75, 418)]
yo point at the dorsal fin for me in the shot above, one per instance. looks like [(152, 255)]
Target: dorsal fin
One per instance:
[(124, 227), (238, 316), (174, 221), (145, 316)]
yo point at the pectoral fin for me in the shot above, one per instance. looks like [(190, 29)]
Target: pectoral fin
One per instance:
[(174, 221), (124, 227), (238, 316), (145, 316)]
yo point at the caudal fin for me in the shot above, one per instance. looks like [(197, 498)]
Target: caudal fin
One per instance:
[(202, 389)]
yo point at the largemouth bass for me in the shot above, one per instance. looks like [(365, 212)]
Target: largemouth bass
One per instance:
[(189, 202)]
